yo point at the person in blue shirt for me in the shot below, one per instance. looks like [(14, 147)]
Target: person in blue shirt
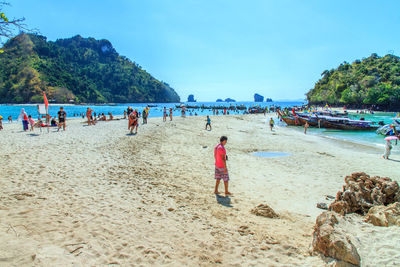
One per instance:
[(208, 122)]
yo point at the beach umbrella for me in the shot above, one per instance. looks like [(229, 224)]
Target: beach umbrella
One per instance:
[(389, 138)]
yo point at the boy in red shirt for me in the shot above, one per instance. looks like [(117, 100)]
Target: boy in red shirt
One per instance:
[(221, 172)]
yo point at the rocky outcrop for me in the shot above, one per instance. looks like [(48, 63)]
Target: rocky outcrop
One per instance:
[(265, 211), (361, 192), (329, 240), (191, 98), (230, 100), (219, 100), (258, 98), (384, 216)]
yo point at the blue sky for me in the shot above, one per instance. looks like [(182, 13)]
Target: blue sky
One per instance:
[(227, 48)]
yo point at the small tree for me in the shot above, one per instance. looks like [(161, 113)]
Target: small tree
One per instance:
[(10, 26)]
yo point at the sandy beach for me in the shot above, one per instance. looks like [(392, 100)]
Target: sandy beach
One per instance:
[(95, 195)]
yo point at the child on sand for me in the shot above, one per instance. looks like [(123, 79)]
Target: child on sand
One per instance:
[(271, 123), (31, 122), (208, 122)]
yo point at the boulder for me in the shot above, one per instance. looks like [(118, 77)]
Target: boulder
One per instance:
[(384, 215), (258, 98), (361, 192), (331, 242), (265, 211), (191, 98)]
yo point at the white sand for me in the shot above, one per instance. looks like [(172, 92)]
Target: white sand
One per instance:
[(95, 195)]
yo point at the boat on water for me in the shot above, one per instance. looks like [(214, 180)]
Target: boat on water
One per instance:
[(328, 122), (389, 129)]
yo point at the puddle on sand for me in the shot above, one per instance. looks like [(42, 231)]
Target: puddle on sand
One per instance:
[(271, 154)]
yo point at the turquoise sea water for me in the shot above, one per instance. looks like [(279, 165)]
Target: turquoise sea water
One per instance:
[(370, 138), (118, 109)]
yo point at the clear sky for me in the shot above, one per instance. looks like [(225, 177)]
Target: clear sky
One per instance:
[(227, 48)]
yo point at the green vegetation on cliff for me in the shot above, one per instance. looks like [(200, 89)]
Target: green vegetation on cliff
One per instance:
[(372, 81), (75, 69)]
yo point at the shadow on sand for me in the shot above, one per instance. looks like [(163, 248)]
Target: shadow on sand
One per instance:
[(224, 201), (129, 134), (33, 134)]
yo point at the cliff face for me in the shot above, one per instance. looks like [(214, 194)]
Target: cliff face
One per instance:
[(372, 81), (75, 69)]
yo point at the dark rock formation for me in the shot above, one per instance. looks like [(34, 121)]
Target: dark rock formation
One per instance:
[(268, 100), (191, 98), (219, 100), (230, 100), (361, 192), (258, 98)]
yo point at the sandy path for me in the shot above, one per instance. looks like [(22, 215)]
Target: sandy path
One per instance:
[(95, 195)]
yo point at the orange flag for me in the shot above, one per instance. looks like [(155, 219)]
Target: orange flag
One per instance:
[(46, 103)]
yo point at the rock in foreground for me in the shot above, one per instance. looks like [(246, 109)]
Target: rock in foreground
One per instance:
[(361, 192), (265, 211), (384, 216), (331, 241)]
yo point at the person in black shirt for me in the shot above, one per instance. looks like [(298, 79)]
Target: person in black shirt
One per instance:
[(62, 116)]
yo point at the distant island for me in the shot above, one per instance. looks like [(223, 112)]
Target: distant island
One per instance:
[(191, 98), (268, 100), (74, 70), (258, 98), (226, 100), (372, 81)]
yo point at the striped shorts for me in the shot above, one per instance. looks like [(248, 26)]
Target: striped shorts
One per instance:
[(220, 174)]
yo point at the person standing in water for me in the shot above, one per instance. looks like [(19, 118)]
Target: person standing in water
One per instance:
[(306, 127), (221, 171), (208, 122), (271, 123)]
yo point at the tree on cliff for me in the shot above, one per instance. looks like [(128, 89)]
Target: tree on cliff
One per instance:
[(372, 81)]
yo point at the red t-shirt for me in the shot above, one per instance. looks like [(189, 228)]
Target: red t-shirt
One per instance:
[(219, 152)]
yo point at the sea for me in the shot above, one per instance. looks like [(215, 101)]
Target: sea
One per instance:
[(156, 110)]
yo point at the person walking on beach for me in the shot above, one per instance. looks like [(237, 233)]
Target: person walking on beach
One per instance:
[(388, 149), (170, 114), (133, 122), (24, 117), (9, 119), (306, 127), (89, 116), (221, 171), (271, 123), (208, 122), (124, 114), (1, 123), (62, 116), (165, 114), (145, 114)]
